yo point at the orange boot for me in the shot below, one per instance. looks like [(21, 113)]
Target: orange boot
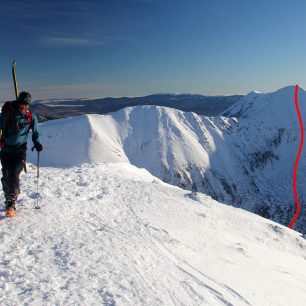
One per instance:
[(10, 213), (10, 208)]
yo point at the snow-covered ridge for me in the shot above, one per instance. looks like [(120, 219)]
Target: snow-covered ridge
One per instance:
[(246, 161), (112, 234)]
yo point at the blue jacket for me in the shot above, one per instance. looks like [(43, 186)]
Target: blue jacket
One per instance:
[(15, 131)]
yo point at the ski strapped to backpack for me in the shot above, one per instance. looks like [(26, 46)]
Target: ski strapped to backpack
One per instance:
[(15, 79)]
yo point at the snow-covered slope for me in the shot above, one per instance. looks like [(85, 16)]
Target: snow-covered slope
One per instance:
[(266, 137), (244, 159), (112, 234)]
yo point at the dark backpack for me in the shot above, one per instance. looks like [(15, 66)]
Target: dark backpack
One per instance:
[(7, 108)]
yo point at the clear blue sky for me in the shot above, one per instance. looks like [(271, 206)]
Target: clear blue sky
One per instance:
[(96, 48)]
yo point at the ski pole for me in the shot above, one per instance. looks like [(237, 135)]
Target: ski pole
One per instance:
[(37, 183), (37, 193)]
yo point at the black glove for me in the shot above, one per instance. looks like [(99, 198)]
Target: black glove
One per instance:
[(38, 146)]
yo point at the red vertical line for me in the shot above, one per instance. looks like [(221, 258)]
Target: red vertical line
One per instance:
[(296, 196)]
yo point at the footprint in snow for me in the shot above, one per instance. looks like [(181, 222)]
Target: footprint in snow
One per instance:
[(108, 298), (82, 184), (276, 228)]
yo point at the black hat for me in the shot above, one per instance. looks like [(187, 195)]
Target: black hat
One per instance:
[(24, 97)]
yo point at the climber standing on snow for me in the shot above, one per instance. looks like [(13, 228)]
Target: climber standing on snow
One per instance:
[(16, 121)]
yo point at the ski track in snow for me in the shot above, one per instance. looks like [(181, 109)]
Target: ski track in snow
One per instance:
[(112, 234)]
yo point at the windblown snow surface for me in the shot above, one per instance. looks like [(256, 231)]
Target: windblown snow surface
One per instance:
[(244, 158), (113, 234)]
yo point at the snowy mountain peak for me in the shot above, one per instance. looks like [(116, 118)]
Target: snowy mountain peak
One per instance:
[(270, 108), (253, 93), (288, 90), (283, 91)]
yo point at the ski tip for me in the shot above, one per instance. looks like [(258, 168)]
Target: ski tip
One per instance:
[(14, 62)]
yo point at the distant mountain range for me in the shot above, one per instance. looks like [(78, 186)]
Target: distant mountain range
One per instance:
[(203, 105)]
